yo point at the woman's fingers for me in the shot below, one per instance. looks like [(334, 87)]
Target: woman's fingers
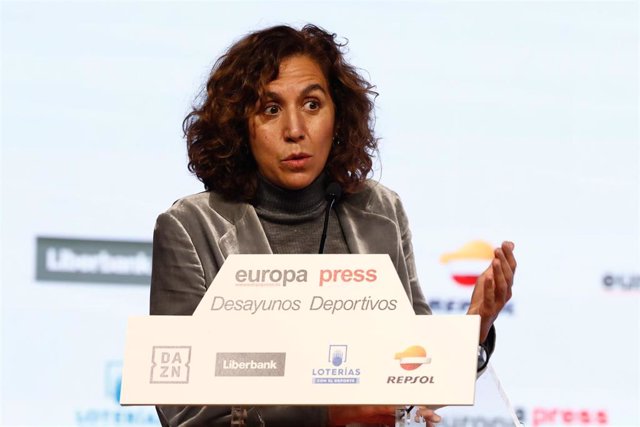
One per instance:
[(430, 417)]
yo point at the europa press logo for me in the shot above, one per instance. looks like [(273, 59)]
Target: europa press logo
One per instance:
[(621, 282), (467, 263), (410, 359)]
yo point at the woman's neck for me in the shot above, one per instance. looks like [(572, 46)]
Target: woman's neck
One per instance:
[(279, 203)]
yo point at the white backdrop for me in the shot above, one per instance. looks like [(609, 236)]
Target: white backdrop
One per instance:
[(498, 121)]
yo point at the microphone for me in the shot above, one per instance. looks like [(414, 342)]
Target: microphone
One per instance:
[(332, 194)]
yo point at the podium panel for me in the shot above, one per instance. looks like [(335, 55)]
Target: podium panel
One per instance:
[(302, 330)]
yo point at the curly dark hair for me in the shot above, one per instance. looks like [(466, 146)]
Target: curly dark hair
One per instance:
[(217, 130)]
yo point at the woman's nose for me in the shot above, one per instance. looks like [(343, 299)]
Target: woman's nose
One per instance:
[(294, 130)]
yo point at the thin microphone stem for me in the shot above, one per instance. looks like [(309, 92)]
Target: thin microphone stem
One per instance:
[(326, 224)]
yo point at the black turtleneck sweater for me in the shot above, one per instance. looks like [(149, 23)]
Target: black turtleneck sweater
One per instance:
[(293, 219)]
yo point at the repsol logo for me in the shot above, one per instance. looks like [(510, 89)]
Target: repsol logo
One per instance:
[(410, 379), (624, 282), (267, 277), (461, 306)]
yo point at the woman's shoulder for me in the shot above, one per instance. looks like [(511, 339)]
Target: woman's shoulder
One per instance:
[(206, 204), (200, 199), (375, 195)]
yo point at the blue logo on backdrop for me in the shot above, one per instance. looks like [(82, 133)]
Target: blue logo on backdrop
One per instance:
[(336, 371), (113, 381), (110, 413)]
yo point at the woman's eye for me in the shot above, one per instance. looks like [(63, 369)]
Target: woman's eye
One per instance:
[(271, 110), (312, 105)]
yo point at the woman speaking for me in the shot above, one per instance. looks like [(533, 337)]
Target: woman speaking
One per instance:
[(282, 118)]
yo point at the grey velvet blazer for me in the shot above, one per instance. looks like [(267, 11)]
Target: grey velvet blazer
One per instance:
[(194, 237)]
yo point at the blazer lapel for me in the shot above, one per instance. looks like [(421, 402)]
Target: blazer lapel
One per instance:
[(250, 236), (244, 233), (367, 232)]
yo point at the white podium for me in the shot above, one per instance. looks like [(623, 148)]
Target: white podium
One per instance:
[(302, 330)]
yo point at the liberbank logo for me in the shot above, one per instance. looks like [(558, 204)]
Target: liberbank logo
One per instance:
[(250, 364), (410, 359), (93, 261), (336, 370)]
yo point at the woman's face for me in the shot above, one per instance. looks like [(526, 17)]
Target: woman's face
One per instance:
[(291, 133)]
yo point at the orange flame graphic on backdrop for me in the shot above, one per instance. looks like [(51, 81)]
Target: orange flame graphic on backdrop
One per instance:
[(468, 262)]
